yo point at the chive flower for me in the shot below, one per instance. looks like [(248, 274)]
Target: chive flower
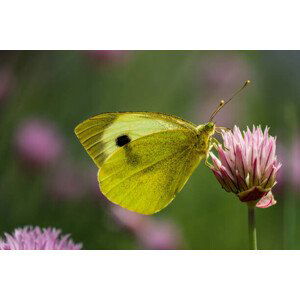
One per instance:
[(36, 238), (38, 144), (149, 232), (247, 165)]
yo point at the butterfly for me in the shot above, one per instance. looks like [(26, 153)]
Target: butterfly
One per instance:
[(145, 158)]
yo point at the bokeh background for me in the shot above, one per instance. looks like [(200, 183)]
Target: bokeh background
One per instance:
[(48, 180)]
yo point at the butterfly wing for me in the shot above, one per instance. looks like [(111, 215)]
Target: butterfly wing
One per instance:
[(98, 134), (145, 173)]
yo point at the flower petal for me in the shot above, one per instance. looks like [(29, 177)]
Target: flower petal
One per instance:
[(219, 177), (228, 181), (266, 201)]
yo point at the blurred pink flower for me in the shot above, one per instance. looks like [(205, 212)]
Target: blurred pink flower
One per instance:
[(128, 219), (38, 143), (284, 158), (247, 165), (295, 163), (149, 232), (159, 235), (6, 83), (67, 183), (29, 238), (108, 56), (224, 72)]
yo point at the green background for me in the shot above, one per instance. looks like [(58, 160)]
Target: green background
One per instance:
[(66, 87)]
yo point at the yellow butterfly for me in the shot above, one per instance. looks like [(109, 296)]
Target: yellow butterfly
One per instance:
[(145, 158)]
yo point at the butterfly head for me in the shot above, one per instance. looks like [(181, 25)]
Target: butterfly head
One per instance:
[(205, 133), (208, 129)]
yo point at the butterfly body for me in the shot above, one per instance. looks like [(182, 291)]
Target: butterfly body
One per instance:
[(144, 158)]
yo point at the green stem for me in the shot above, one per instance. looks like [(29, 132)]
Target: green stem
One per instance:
[(252, 228), (290, 218)]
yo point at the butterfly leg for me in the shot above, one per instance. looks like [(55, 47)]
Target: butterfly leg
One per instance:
[(208, 164), (220, 129), (214, 143)]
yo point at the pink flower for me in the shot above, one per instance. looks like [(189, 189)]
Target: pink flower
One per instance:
[(128, 219), (289, 174), (295, 163), (108, 56), (29, 238), (159, 235), (222, 71), (247, 165), (284, 157), (149, 232), (67, 182), (38, 143)]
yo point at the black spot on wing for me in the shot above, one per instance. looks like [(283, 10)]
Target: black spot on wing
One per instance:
[(122, 140)]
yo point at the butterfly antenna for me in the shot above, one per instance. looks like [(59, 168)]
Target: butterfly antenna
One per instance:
[(223, 103)]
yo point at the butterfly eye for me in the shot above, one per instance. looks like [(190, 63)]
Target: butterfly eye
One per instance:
[(122, 140)]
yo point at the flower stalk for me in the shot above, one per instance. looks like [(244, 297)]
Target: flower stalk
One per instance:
[(252, 227)]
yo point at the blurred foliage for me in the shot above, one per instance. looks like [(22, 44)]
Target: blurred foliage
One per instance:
[(66, 87)]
